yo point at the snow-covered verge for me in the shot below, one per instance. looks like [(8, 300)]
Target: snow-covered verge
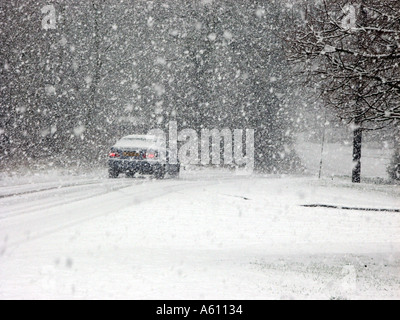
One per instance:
[(207, 235), (337, 159), (23, 175)]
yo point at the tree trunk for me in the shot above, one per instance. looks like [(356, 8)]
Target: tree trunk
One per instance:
[(357, 142)]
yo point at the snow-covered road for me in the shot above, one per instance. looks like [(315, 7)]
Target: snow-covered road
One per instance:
[(207, 235)]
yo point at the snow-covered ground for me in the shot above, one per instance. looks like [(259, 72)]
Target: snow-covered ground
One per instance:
[(337, 159), (210, 234)]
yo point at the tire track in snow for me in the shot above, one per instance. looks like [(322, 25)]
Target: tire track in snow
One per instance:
[(48, 221), (55, 200), (55, 187)]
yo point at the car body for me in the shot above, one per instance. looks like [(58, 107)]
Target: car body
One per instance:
[(143, 154)]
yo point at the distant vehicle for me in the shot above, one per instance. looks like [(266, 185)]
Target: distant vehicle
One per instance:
[(141, 154)]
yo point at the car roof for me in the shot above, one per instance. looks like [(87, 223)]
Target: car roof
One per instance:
[(140, 141), (140, 137)]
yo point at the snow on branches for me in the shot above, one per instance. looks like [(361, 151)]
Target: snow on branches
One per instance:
[(350, 52)]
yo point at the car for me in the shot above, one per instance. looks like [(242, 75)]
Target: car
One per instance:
[(143, 154)]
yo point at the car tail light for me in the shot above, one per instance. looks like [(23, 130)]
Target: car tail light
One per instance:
[(151, 155), (113, 154)]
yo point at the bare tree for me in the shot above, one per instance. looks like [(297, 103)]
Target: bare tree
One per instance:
[(350, 52)]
